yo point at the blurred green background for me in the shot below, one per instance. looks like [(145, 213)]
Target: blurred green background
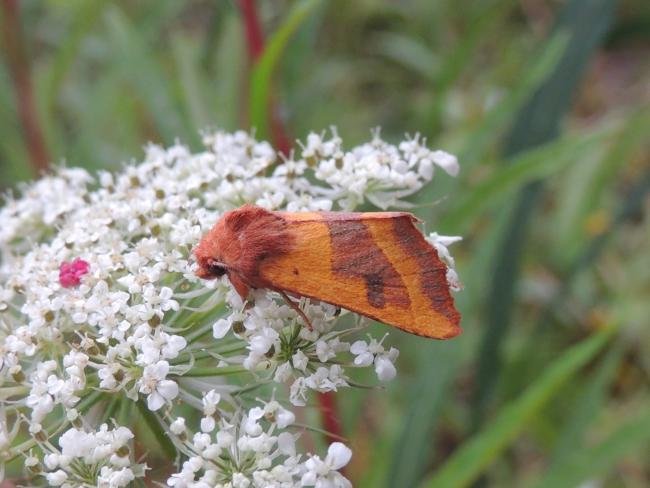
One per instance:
[(547, 105)]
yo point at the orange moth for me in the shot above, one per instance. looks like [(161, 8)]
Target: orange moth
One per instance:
[(377, 264)]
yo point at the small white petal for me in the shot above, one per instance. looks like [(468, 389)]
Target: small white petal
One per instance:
[(364, 359), (220, 328), (168, 389), (384, 368), (287, 444), (285, 418), (208, 424), (448, 162), (155, 401), (338, 455), (359, 347)]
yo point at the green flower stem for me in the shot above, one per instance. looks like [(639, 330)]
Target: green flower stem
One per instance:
[(202, 372)]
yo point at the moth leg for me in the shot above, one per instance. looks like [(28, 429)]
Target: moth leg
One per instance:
[(295, 306), (240, 285)]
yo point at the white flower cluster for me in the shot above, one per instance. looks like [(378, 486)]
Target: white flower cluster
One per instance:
[(101, 314), (252, 448), (100, 459), (377, 171)]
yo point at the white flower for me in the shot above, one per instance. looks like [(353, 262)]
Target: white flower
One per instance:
[(208, 424), (327, 379), (111, 478), (178, 426), (384, 368), (240, 481), (441, 244), (279, 414), (154, 384), (446, 161), (210, 401), (325, 473), (282, 372), (326, 350), (57, 478), (374, 352), (300, 361), (298, 392), (221, 328), (287, 444), (363, 355)]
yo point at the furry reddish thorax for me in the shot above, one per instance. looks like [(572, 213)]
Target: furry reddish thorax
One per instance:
[(238, 242)]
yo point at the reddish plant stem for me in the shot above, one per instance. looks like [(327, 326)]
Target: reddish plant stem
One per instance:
[(255, 44), (20, 72), (253, 29), (330, 417), (278, 131)]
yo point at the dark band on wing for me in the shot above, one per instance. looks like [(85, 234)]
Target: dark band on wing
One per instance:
[(433, 272), (355, 255)]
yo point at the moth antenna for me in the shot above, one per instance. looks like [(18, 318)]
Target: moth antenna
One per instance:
[(295, 306)]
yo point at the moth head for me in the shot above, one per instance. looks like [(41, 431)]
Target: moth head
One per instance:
[(210, 253), (210, 269)]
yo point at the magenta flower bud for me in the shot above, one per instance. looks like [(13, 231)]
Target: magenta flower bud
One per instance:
[(70, 273)]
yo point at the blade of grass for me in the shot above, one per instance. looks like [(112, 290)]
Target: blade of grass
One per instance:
[(590, 254), (583, 192), (191, 86), (14, 164), (587, 464), (218, 13), (587, 406), (140, 68), (410, 53), (592, 250), (488, 17), (533, 76), (84, 19), (490, 128), (538, 122), (261, 77), (476, 454), (414, 444), (532, 164)]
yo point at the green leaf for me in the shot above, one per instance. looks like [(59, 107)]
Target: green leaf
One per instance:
[(476, 454), (261, 77), (584, 464), (414, 444)]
